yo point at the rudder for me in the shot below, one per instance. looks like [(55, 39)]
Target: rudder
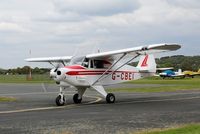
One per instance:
[(147, 63)]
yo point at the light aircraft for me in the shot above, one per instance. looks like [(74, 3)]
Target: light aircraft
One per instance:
[(104, 68), (172, 74), (191, 73)]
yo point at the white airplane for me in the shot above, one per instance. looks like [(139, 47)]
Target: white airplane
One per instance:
[(105, 68)]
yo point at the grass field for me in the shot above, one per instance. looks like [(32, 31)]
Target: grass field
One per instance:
[(166, 85), (24, 79), (6, 99), (186, 129)]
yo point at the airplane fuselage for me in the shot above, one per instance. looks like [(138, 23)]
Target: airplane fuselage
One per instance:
[(78, 75)]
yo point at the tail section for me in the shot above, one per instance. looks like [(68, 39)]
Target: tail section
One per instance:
[(147, 64), (180, 71)]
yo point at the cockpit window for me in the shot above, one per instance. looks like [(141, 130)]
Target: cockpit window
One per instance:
[(90, 63), (99, 64), (77, 60)]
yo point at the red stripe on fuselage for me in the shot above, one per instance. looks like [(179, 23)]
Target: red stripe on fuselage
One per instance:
[(75, 67), (95, 72)]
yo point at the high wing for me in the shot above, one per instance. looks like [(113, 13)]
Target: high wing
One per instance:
[(50, 59), (113, 55), (116, 56)]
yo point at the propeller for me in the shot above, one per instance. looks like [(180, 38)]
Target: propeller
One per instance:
[(58, 73), (55, 71), (53, 75)]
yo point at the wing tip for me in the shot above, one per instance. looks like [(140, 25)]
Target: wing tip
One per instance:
[(173, 46), (166, 46)]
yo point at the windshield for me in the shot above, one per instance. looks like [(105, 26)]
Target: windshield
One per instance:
[(79, 57), (77, 60)]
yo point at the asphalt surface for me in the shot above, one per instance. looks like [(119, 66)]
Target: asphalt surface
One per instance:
[(35, 110)]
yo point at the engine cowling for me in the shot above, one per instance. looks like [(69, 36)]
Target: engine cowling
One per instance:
[(60, 74)]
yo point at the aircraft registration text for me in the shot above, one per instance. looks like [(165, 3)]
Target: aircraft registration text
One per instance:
[(123, 76)]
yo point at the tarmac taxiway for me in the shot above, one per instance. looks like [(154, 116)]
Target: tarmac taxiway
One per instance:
[(35, 110)]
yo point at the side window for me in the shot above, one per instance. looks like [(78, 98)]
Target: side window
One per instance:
[(98, 64)]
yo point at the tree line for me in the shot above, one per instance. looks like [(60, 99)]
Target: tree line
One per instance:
[(191, 63), (25, 70), (178, 62)]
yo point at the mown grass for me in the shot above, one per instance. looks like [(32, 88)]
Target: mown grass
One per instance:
[(167, 85), (186, 129), (158, 80), (7, 99), (24, 79)]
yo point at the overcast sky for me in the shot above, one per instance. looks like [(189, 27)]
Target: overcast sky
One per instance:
[(61, 27)]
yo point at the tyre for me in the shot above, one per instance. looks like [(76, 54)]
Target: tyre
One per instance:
[(76, 100), (60, 102), (110, 98)]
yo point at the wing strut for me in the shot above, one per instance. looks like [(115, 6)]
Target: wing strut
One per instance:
[(52, 64), (63, 63), (110, 68), (102, 76), (125, 63)]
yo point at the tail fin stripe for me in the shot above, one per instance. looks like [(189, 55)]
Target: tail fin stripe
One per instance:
[(144, 63)]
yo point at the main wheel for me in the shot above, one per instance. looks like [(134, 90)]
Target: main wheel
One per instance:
[(110, 98), (76, 100), (59, 101)]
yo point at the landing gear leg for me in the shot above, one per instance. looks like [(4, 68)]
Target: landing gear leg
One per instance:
[(60, 99)]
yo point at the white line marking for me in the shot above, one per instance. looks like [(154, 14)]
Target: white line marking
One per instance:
[(50, 108), (44, 88), (92, 102), (28, 110), (33, 93), (98, 99)]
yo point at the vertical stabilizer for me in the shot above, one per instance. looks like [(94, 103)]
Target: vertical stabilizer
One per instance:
[(180, 71), (147, 63)]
